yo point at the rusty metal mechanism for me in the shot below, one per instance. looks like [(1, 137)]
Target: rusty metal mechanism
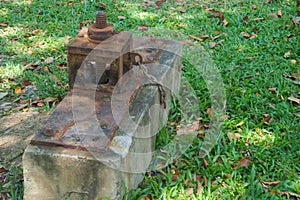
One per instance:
[(100, 30), (60, 129)]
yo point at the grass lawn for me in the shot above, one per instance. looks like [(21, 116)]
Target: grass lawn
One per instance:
[(254, 44)]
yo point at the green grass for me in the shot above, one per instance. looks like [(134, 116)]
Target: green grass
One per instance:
[(249, 67)]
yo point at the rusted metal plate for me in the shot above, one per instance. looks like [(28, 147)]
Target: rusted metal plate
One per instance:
[(62, 130)]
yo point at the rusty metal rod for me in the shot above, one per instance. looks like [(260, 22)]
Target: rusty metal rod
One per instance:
[(121, 67)]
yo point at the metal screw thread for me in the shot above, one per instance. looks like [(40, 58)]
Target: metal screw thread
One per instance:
[(101, 20)]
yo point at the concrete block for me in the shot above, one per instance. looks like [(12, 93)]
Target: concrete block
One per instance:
[(63, 168)]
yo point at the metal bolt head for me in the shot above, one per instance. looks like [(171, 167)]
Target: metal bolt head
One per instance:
[(100, 19)]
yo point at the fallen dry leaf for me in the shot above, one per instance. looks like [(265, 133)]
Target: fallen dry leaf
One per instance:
[(267, 118), (253, 7), (143, 27), (289, 193), (63, 64), (26, 101), (296, 82), (121, 17), (196, 38), (40, 104), (45, 69), (26, 83), (272, 89), (37, 31), (293, 77), (225, 22), (293, 62), (199, 187), (225, 116), (212, 44), (159, 2), (270, 182), (294, 99), (18, 90), (244, 162), (246, 35), (208, 111), (55, 78), (216, 14), (234, 135), (3, 24), (296, 20), (253, 36), (258, 19), (279, 13), (189, 191), (182, 11), (272, 15), (148, 197), (186, 42), (50, 99), (49, 60), (205, 163), (245, 19)]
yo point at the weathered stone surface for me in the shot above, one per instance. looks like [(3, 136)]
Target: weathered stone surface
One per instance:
[(77, 166)]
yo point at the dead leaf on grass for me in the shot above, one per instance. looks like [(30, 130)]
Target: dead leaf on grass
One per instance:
[(253, 7), (199, 188), (205, 163), (246, 35), (121, 17), (37, 31), (288, 54), (225, 116), (159, 3), (296, 83), (26, 83), (294, 76), (293, 62), (3, 24), (50, 99), (266, 118), (279, 13), (225, 22), (18, 90), (244, 162), (143, 27), (234, 135), (208, 111), (216, 14), (272, 15), (245, 19), (292, 194), (296, 20), (55, 79), (186, 42), (258, 19), (148, 197), (272, 89), (294, 99), (189, 191), (212, 44), (270, 182), (49, 60)]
